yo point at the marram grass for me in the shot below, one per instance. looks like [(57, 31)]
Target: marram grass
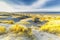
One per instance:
[(52, 26), (2, 29)]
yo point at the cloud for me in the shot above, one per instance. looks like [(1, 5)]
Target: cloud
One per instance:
[(34, 6), (5, 7), (9, 7), (52, 3), (21, 2), (38, 3), (51, 9), (13, 7)]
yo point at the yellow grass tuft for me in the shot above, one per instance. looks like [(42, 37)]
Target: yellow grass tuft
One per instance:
[(52, 26)]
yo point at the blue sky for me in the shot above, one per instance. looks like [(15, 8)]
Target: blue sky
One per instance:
[(52, 3), (19, 2), (29, 5)]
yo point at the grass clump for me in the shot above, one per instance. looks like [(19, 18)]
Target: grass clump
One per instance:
[(51, 27)]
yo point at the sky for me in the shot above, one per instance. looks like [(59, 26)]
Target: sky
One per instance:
[(29, 5)]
